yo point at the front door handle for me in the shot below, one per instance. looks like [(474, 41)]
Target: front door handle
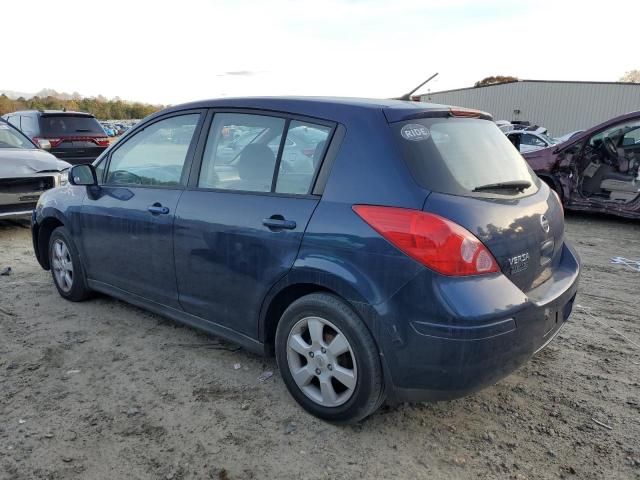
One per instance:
[(158, 209), (278, 222)]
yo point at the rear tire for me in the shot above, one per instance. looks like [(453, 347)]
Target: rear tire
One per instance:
[(328, 359), (66, 267)]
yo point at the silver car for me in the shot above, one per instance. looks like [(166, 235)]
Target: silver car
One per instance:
[(25, 172)]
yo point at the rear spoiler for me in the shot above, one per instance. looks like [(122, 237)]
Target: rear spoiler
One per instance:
[(401, 115)]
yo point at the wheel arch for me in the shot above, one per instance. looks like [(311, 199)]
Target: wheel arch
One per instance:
[(296, 285), (554, 183), (42, 233)]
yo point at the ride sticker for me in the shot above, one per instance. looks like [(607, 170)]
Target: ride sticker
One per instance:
[(415, 132)]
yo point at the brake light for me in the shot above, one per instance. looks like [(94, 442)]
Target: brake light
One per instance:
[(102, 142), (464, 112), (432, 240), (53, 142)]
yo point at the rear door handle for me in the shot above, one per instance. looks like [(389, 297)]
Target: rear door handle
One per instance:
[(278, 222), (158, 209)]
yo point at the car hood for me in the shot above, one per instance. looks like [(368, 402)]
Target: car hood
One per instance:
[(15, 162)]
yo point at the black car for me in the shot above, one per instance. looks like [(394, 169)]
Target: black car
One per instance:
[(75, 137)]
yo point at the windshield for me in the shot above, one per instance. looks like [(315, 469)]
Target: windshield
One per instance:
[(456, 156), (69, 125), (12, 138), (550, 140)]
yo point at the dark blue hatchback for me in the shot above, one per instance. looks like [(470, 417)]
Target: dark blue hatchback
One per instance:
[(383, 250)]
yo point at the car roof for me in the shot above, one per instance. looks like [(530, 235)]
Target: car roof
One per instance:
[(334, 108), (52, 112)]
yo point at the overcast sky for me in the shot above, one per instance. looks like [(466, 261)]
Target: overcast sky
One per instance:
[(174, 51)]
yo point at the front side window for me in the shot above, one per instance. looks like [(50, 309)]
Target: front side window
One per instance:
[(616, 134), (156, 155)]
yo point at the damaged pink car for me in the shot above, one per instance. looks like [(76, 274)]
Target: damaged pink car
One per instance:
[(597, 170)]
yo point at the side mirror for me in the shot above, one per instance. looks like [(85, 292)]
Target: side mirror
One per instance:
[(83, 175)]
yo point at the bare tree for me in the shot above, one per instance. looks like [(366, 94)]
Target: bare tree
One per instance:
[(495, 80), (632, 76)]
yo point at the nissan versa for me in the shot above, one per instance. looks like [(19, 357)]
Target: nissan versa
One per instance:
[(382, 249)]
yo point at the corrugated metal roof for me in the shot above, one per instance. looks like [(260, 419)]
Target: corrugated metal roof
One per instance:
[(560, 106)]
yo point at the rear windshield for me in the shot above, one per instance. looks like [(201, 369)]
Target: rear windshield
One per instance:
[(458, 155), (58, 125)]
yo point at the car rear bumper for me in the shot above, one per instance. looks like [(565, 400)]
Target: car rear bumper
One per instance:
[(448, 337)]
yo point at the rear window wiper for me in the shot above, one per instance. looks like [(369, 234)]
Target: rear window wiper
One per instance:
[(519, 185), (83, 129)]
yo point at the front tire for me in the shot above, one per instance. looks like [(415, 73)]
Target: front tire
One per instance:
[(66, 267), (328, 359)]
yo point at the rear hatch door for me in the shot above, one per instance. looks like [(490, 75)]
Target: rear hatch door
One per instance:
[(73, 136), (480, 181)]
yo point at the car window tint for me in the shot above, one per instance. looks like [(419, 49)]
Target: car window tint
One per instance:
[(303, 151), (68, 124), (456, 155), (154, 156), (241, 152)]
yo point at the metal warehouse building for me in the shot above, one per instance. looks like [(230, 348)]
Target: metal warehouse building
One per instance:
[(560, 106)]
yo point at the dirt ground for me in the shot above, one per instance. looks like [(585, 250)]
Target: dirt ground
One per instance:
[(103, 390)]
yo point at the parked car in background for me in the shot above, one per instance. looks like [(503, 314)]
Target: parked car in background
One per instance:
[(530, 140), (74, 137), (25, 173), (394, 250), (108, 129), (596, 170)]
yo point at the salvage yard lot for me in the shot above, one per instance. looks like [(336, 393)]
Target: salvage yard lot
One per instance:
[(102, 389)]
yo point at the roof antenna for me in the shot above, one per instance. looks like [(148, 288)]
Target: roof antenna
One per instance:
[(407, 96)]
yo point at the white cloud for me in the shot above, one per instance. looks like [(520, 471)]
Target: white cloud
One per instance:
[(169, 52)]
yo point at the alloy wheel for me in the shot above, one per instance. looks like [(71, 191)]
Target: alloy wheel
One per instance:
[(62, 265), (321, 361)]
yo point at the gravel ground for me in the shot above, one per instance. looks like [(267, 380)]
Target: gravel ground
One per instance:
[(103, 390)]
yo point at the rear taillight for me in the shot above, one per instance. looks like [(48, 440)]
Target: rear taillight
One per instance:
[(102, 142), (434, 241), (53, 142)]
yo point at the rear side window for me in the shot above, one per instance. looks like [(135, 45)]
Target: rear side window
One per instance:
[(240, 152), (60, 125), (457, 155), (303, 150), (246, 152)]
